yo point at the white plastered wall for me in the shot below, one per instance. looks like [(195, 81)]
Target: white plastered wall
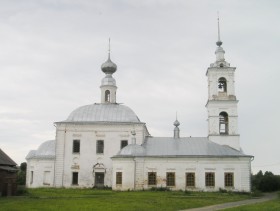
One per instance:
[(43, 173), (68, 162), (240, 167)]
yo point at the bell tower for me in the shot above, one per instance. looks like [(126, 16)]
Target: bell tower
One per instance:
[(222, 103), (108, 85)]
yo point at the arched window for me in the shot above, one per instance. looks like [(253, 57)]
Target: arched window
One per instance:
[(107, 96), (222, 85), (223, 117)]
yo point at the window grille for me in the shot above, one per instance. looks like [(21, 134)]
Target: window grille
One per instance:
[(152, 178), (118, 178), (210, 179), (190, 179), (229, 180), (170, 179), (76, 146)]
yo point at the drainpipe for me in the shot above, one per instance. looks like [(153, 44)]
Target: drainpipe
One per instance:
[(134, 173)]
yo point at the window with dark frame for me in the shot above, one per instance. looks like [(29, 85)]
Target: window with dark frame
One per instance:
[(118, 178), (229, 179), (170, 179), (75, 178), (124, 143), (152, 178), (190, 179), (210, 179), (100, 146), (76, 146)]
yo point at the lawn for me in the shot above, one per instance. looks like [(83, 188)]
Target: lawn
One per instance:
[(90, 199), (273, 205)]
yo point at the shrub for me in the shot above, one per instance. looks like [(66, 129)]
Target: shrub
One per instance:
[(221, 190), (21, 190), (160, 189)]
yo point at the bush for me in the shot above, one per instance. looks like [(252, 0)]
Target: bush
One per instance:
[(21, 190), (160, 189), (221, 190)]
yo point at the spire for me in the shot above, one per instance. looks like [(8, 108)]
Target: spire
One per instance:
[(220, 53), (109, 67), (219, 42), (176, 129), (109, 49)]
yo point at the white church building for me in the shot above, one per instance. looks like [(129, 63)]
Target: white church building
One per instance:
[(106, 144)]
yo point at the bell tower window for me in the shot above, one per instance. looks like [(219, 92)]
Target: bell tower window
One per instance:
[(107, 96), (222, 85), (223, 117)]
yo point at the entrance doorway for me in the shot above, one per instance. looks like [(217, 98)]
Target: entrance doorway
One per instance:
[(99, 179)]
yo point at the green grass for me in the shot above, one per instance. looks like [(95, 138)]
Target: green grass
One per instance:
[(273, 205), (89, 199)]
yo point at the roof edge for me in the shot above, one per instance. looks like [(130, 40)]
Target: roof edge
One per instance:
[(97, 122), (184, 156)]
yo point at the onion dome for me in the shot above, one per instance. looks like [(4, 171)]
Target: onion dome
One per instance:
[(109, 67), (176, 123)]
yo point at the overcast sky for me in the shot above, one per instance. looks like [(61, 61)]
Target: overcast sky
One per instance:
[(51, 52)]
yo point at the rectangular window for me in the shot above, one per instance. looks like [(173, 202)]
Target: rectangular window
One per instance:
[(75, 178), (118, 178), (76, 146), (152, 178), (124, 143), (229, 180), (47, 179), (31, 177), (209, 179), (100, 146), (190, 179), (170, 179)]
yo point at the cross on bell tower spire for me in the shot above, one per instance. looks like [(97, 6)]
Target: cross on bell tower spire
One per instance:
[(219, 42), (109, 48)]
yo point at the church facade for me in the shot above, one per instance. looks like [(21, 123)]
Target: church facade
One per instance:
[(105, 144)]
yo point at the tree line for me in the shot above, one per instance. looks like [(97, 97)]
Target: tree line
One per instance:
[(266, 182)]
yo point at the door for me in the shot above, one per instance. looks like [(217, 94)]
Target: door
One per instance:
[(99, 179)]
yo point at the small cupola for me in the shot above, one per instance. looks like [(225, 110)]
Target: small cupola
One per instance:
[(108, 83), (176, 129)]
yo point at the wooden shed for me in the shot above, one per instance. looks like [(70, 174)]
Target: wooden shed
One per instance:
[(8, 175)]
